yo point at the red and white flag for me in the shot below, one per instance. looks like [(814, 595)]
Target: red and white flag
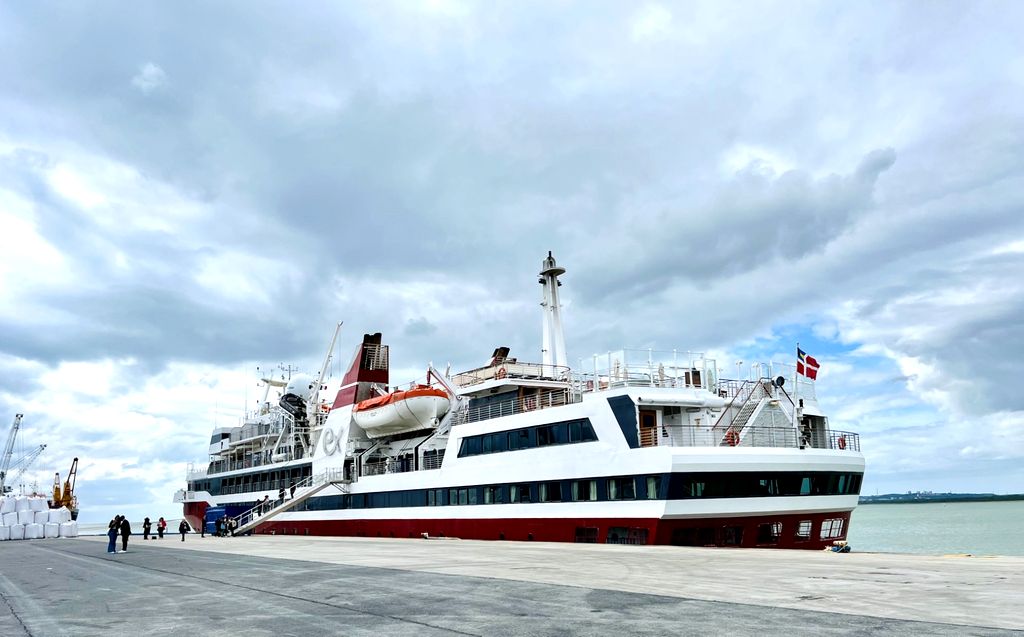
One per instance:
[(806, 364)]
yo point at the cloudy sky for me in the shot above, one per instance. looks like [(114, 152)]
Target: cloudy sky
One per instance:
[(190, 190)]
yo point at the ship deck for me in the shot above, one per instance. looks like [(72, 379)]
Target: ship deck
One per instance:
[(363, 586)]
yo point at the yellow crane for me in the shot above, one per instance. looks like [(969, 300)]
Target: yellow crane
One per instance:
[(66, 497)]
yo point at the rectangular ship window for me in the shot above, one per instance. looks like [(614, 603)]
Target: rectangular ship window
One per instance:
[(653, 486), (803, 531), (550, 492), (519, 493), (493, 495), (621, 489), (584, 490), (586, 534), (832, 528), (769, 532)]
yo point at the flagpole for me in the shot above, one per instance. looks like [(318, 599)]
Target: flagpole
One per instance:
[(796, 389)]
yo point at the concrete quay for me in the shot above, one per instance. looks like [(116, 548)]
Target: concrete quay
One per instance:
[(290, 585)]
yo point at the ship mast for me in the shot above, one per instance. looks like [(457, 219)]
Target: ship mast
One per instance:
[(553, 349)]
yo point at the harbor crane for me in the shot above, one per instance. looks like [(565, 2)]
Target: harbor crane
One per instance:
[(66, 497), (5, 460), (21, 465)]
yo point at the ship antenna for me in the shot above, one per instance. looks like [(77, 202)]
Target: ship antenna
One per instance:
[(553, 349)]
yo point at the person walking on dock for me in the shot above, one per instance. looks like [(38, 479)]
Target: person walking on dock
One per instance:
[(146, 526), (112, 535), (183, 528), (161, 526), (126, 530)]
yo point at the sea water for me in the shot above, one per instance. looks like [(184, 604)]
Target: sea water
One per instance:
[(939, 528)]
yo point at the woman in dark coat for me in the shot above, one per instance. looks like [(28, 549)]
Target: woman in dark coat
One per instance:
[(183, 528), (112, 529), (146, 526)]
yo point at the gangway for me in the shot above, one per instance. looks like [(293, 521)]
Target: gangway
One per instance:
[(303, 491)]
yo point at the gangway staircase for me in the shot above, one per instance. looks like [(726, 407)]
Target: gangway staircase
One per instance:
[(304, 490), (732, 424)]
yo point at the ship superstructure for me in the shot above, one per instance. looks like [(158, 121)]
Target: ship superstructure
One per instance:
[(633, 446)]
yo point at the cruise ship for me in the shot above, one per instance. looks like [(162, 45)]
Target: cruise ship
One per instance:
[(630, 447)]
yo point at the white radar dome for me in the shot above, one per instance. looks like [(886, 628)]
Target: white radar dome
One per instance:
[(300, 385)]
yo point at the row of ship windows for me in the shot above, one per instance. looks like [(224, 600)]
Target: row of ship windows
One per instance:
[(556, 433), (263, 481), (675, 486), (768, 533)]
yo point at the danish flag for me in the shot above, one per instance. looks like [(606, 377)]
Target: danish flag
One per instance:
[(806, 365)]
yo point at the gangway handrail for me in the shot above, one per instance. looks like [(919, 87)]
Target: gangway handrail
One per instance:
[(310, 485)]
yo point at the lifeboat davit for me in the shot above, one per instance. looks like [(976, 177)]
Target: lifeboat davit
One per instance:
[(401, 411)]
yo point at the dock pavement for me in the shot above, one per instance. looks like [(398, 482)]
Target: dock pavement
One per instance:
[(295, 585)]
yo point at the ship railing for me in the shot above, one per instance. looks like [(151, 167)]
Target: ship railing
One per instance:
[(843, 440), (512, 369), (743, 394), (301, 490), (512, 406), (379, 468), (254, 431), (757, 436), (254, 460), (646, 368), (433, 460), (181, 496)]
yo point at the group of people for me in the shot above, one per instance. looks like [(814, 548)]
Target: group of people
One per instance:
[(161, 526), (120, 526), (225, 525)]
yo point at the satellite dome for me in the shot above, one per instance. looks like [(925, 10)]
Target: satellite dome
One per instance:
[(301, 386)]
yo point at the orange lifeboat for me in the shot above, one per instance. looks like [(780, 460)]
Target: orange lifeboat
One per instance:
[(402, 411)]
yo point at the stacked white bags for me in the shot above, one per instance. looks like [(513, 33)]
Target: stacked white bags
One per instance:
[(24, 518)]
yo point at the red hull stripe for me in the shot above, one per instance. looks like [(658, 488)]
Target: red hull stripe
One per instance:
[(750, 532)]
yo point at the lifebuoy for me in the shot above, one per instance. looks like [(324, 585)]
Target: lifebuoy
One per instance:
[(842, 442), (732, 438), (501, 373)]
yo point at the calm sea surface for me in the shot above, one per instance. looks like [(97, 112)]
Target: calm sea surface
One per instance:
[(979, 528)]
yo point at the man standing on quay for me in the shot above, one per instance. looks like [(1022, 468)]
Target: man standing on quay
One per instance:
[(126, 530)]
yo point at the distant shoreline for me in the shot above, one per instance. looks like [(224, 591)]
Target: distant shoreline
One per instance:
[(925, 498)]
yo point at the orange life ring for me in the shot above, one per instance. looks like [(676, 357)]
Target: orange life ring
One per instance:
[(842, 442), (501, 373), (732, 438)]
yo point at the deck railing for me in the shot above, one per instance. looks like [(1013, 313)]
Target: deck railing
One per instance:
[(787, 437), (499, 409)]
